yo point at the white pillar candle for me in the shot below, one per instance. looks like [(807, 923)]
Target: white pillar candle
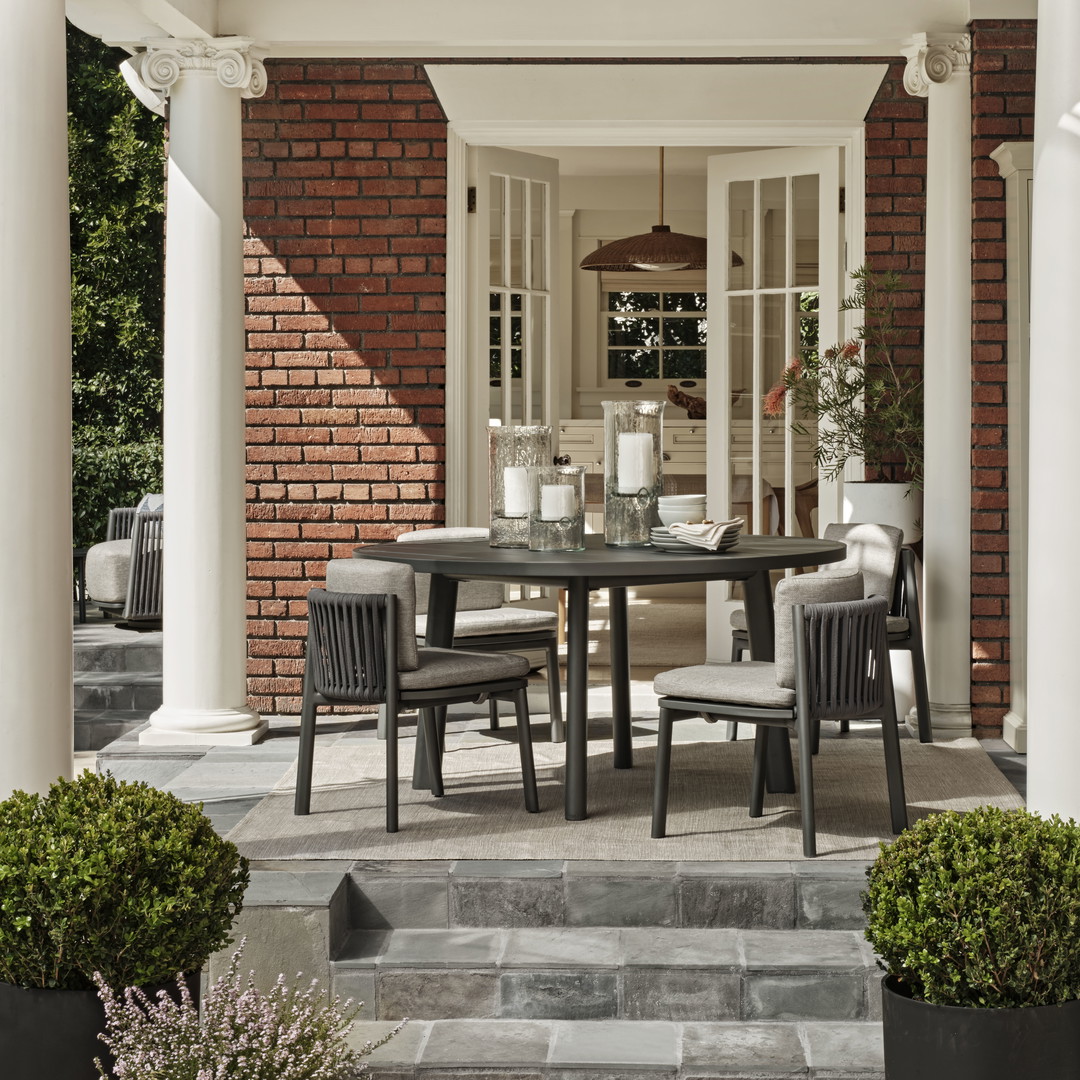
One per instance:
[(556, 502), (635, 470), (515, 491)]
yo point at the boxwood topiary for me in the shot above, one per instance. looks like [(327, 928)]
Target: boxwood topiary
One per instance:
[(121, 878), (980, 909)]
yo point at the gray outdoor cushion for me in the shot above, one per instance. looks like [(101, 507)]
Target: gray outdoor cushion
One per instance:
[(457, 667), (107, 568), (369, 576), (428, 536), (504, 620), (752, 682), (873, 549), (822, 587), (738, 619), (896, 624), (471, 595)]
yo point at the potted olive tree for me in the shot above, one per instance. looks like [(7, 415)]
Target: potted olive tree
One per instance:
[(865, 404), (976, 918), (103, 876)]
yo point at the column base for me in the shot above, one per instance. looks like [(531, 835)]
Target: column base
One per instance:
[(1014, 731), (946, 721), (170, 726)]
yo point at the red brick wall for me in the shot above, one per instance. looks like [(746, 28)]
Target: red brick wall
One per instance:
[(1002, 109), (345, 259)]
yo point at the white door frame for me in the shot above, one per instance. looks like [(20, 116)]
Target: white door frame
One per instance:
[(461, 134)]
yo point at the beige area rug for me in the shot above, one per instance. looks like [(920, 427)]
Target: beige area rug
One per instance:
[(662, 634), (482, 815)]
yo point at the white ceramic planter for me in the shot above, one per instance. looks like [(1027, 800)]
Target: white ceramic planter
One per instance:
[(885, 504)]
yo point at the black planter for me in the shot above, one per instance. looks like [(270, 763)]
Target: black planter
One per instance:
[(943, 1042), (54, 1033)]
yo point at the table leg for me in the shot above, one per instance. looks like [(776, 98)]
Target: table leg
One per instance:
[(620, 678), (577, 700), (779, 774), (442, 606)]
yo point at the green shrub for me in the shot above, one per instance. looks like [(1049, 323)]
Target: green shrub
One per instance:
[(980, 909), (107, 476), (103, 875)]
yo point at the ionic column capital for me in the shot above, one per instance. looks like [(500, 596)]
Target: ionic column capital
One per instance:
[(232, 59), (933, 58)]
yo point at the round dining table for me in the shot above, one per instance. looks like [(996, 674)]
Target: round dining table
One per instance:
[(615, 569)]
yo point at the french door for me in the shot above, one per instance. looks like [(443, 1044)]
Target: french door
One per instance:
[(773, 292), (512, 261)]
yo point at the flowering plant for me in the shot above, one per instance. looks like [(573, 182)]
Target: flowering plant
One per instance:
[(244, 1034), (871, 404)]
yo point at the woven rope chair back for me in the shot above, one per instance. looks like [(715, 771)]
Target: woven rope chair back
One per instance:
[(145, 577), (347, 644), (847, 650), (121, 523)]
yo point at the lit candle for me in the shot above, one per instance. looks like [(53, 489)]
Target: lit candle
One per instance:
[(635, 469), (556, 502), (515, 491)]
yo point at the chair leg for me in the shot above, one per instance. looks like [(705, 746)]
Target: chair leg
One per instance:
[(433, 751), (662, 775), (302, 803), (806, 791), (391, 770), (558, 731), (894, 769), (493, 713), (528, 767), (922, 693), (757, 775)]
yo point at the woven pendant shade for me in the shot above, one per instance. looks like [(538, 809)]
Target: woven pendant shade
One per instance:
[(660, 249)]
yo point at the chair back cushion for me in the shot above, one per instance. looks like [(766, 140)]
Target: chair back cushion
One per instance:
[(873, 549), (823, 587), (370, 576), (434, 536), (471, 595)]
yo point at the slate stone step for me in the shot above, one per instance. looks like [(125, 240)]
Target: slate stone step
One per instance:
[(97, 728), (131, 652), (121, 689), (616, 1050), (822, 895), (641, 973)]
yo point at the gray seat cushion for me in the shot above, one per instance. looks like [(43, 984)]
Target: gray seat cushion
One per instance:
[(896, 624), (457, 667), (107, 569), (738, 619), (752, 682), (369, 576), (503, 620)]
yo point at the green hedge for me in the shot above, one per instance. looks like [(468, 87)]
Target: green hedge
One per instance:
[(108, 476)]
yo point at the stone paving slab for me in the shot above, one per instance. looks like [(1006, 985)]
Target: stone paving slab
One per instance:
[(607, 1050)]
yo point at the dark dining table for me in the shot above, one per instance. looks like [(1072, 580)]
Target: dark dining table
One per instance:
[(614, 569)]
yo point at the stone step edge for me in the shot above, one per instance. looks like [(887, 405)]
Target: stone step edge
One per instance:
[(118, 678), (608, 949), (610, 1050)]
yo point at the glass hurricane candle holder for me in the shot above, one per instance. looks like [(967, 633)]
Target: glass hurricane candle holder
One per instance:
[(512, 451), (633, 470), (557, 517)]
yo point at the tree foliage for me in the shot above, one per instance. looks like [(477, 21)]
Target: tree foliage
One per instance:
[(116, 151)]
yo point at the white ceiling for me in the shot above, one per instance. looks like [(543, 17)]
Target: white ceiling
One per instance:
[(631, 160)]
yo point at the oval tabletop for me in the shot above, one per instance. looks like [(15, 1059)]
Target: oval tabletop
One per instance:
[(635, 566)]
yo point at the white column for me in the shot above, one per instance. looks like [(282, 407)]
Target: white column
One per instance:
[(36, 705), (205, 574), (940, 70), (1054, 438)]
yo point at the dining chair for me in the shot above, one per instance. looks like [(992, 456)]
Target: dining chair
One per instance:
[(124, 573), (361, 650), (831, 664), (888, 569), (483, 621)]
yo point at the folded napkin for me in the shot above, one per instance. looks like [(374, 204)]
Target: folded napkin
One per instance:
[(708, 534)]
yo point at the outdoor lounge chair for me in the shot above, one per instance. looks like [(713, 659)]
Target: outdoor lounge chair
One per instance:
[(123, 574), (361, 649), (831, 663), (888, 569)]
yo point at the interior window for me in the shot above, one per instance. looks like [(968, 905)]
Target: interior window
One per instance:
[(655, 335)]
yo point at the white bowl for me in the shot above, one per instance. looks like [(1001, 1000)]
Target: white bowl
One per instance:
[(682, 500), (671, 515)]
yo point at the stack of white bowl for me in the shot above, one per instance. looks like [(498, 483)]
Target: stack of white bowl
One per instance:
[(680, 508)]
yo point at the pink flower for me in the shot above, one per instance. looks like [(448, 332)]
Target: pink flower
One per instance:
[(773, 402)]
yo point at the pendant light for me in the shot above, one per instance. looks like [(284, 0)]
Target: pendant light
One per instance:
[(660, 249)]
